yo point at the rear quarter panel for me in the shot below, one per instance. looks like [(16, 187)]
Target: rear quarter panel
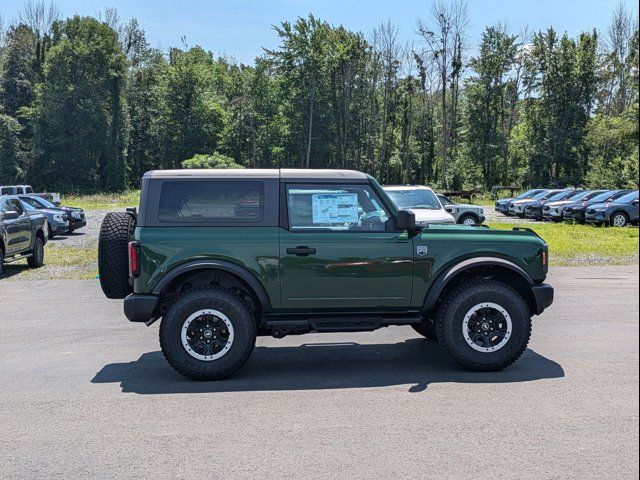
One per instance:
[(256, 249)]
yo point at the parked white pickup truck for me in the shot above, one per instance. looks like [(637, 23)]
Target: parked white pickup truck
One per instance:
[(28, 190)]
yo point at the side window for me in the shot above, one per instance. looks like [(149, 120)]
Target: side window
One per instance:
[(16, 206), (4, 206), (211, 201), (335, 208)]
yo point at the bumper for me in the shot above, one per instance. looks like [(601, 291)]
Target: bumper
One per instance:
[(57, 228), (533, 213), (598, 217), (76, 224), (502, 208), (577, 216), (481, 218), (140, 308), (543, 297)]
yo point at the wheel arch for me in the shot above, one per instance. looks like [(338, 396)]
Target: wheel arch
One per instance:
[(473, 215), (207, 272), (481, 267)]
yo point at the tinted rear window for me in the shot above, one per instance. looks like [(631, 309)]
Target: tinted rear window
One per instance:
[(211, 201)]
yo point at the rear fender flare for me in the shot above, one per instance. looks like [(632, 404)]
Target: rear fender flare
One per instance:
[(222, 265)]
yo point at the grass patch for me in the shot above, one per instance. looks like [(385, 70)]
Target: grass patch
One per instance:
[(59, 262), (571, 244), (103, 201)]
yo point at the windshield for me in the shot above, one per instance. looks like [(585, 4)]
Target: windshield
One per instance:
[(577, 195), (602, 197), (540, 195), (527, 194), (418, 199), (628, 198), (559, 195), (43, 202)]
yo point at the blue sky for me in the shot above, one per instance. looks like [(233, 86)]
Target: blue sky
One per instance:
[(240, 28)]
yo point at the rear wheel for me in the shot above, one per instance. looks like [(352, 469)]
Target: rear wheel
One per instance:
[(1, 262), (36, 260), (619, 219), (207, 334), (485, 325), (113, 257)]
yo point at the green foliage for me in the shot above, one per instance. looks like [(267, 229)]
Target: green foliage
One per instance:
[(212, 160), (82, 126), (9, 150), (88, 106)]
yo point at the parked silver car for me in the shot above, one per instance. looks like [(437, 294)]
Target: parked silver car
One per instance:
[(463, 213), (422, 201)]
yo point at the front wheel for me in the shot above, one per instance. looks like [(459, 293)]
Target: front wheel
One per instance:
[(468, 220), (485, 325), (208, 334), (36, 260), (619, 219)]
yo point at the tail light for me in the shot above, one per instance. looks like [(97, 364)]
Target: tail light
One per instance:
[(134, 258)]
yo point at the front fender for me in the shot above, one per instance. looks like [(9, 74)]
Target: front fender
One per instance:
[(443, 279)]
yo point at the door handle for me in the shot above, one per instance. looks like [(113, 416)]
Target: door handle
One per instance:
[(301, 251)]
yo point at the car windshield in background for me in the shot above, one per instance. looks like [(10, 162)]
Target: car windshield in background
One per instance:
[(559, 196), (540, 195), (43, 202), (628, 198), (577, 195), (590, 195), (602, 197), (33, 203), (28, 206), (418, 199), (526, 194)]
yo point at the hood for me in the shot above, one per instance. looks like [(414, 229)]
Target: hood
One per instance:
[(535, 203), (502, 201), (468, 206), (424, 215), (522, 201), (559, 203), (601, 205)]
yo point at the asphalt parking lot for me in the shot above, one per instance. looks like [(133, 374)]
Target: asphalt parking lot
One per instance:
[(85, 394)]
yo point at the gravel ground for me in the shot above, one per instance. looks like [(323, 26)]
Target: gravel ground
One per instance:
[(86, 237), (86, 394)]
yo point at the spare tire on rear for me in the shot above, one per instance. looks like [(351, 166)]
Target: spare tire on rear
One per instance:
[(113, 256)]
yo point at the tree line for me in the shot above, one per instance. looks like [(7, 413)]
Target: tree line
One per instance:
[(86, 104)]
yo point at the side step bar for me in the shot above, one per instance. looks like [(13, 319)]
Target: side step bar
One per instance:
[(283, 326), (17, 257)]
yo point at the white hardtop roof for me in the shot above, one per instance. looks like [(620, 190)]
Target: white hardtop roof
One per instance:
[(282, 173)]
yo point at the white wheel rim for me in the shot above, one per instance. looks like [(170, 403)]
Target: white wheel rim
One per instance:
[(207, 357), (469, 335), (469, 221), (619, 220)]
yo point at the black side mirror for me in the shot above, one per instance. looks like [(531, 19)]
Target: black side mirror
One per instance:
[(406, 221), (11, 215)]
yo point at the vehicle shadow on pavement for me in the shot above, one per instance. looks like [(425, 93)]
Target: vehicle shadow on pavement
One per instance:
[(415, 362)]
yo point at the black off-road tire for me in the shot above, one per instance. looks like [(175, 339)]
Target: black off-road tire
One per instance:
[(455, 306), (427, 328), (1, 262), (113, 257), (36, 260), (50, 232), (244, 328)]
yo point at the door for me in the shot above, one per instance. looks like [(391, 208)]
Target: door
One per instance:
[(339, 251), (18, 237)]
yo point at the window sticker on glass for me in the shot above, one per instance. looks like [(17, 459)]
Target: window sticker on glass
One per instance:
[(334, 209)]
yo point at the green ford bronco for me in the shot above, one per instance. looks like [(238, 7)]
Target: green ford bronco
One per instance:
[(223, 256)]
